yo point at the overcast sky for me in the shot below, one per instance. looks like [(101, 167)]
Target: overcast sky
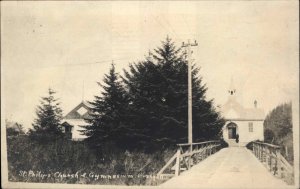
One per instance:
[(63, 44)]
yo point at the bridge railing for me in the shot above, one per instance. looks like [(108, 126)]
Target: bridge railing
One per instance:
[(188, 155), (271, 157)]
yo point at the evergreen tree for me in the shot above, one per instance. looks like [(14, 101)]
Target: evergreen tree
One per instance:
[(108, 114), (279, 121), (157, 88), (46, 127), (278, 129)]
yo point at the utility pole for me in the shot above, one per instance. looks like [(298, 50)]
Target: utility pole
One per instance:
[(190, 118)]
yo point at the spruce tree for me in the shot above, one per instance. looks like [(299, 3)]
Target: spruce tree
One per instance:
[(46, 127), (157, 88), (108, 114)]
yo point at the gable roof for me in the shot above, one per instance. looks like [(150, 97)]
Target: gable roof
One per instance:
[(241, 113), (81, 111), (232, 104), (253, 113), (14, 125)]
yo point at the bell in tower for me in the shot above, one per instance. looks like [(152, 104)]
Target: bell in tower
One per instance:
[(231, 90)]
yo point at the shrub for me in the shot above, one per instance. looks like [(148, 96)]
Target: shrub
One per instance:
[(69, 157), (224, 144)]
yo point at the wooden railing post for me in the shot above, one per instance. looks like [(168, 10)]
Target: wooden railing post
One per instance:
[(263, 154), (177, 164), (190, 156), (256, 150), (206, 151), (278, 162), (203, 152), (260, 152), (197, 155), (269, 158), (266, 155), (272, 159)]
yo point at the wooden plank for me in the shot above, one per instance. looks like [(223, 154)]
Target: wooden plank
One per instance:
[(188, 144), (286, 164), (184, 160), (166, 175), (192, 153), (267, 144), (167, 164), (184, 157), (177, 164)]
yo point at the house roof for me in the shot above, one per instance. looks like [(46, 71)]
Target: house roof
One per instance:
[(81, 111), (13, 125), (66, 124), (74, 122)]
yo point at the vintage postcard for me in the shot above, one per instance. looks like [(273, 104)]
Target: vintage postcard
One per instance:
[(150, 94)]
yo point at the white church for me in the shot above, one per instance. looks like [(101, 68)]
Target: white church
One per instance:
[(246, 123)]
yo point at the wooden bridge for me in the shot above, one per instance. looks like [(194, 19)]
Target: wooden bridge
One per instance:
[(206, 165)]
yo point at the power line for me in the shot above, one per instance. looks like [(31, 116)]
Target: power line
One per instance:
[(172, 29), (92, 63), (164, 26), (160, 23), (185, 21)]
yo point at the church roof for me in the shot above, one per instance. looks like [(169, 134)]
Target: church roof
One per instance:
[(253, 113), (234, 105), (81, 111), (233, 110)]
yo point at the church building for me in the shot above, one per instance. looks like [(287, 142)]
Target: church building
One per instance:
[(74, 121), (241, 122)]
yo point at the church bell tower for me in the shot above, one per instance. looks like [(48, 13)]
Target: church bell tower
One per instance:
[(232, 90)]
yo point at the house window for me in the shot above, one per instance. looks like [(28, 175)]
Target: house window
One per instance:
[(250, 125)]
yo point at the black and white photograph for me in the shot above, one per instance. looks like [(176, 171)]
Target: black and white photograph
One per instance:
[(150, 94)]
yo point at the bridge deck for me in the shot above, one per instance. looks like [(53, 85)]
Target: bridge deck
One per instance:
[(234, 167)]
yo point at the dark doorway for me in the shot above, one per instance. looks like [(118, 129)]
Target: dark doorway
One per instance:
[(231, 133), (231, 130)]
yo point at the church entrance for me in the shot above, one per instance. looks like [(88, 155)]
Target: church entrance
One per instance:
[(231, 133), (231, 130)]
